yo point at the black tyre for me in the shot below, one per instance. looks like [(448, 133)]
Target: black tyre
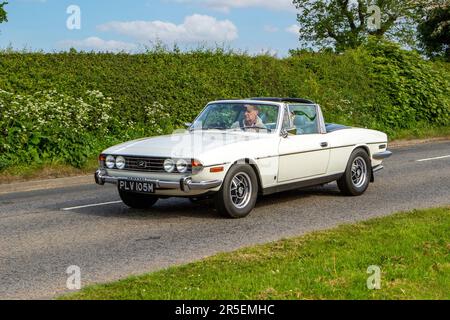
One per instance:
[(358, 174), (237, 197), (137, 200)]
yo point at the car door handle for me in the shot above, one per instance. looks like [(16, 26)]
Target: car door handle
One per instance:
[(324, 144)]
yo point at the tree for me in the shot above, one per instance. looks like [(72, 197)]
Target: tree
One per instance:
[(3, 16), (343, 24), (434, 31)]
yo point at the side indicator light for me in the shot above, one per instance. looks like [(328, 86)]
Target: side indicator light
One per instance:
[(216, 169)]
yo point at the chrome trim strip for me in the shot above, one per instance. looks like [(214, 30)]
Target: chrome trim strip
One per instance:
[(265, 157), (346, 146), (315, 150), (216, 165)]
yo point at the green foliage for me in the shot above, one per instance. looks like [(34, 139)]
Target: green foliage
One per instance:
[(434, 32), (48, 126), (3, 15), (67, 107), (344, 24), (412, 91)]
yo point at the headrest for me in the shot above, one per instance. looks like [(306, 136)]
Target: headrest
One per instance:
[(299, 120)]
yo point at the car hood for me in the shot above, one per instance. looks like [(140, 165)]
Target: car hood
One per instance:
[(183, 145)]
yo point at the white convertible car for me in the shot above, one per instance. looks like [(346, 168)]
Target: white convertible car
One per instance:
[(238, 149)]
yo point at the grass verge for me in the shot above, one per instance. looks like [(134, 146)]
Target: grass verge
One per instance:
[(45, 171), (412, 250), (421, 132)]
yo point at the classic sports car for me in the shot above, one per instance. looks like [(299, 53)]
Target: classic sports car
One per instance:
[(236, 150)]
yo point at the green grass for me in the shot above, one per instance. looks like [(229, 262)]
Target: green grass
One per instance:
[(42, 171), (421, 132), (412, 250)]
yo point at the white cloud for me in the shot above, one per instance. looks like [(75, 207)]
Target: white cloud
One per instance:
[(195, 28), (95, 43), (270, 29), (294, 29), (227, 5)]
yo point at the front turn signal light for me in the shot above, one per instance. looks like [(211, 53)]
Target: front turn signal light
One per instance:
[(101, 160), (197, 166)]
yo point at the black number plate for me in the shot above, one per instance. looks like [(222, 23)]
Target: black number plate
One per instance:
[(136, 186)]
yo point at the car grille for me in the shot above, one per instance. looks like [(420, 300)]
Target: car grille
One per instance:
[(146, 164)]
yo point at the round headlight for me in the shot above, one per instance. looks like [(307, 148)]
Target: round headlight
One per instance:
[(169, 165), (120, 162), (110, 162), (182, 166)]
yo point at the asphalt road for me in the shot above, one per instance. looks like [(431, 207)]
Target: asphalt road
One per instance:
[(39, 240)]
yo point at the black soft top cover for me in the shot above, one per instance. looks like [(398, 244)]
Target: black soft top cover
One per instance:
[(292, 100)]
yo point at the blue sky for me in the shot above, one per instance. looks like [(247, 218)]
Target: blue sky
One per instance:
[(111, 25)]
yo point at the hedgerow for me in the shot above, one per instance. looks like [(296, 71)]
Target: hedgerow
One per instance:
[(68, 106)]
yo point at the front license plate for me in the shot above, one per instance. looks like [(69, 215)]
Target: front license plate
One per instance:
[(136, 186)]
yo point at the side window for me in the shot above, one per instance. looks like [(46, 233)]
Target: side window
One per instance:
[(305, 119)]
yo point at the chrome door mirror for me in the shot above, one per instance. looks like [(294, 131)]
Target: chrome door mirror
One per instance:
[(288, 131)]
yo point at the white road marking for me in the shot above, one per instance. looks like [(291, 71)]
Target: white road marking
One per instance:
[(436, 158), (92, 205)]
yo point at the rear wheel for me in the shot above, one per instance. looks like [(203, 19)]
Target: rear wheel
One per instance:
[(137, 200), (358, 174), (237, 197)]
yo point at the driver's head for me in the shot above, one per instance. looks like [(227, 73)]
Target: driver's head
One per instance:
[(251, 113)]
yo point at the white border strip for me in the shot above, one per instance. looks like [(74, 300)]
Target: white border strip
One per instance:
[(91, 205), (436, 158)]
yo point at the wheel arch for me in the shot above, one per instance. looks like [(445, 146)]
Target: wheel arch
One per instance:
[(367, 149), (252, 163)]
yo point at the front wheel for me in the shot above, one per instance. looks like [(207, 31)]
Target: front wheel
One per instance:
[(137, 200), (237, 197), (357, 176)]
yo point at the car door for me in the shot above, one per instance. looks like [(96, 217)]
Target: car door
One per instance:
[(304, 154)]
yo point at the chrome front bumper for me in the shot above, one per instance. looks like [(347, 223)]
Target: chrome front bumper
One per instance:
[(186, 184)]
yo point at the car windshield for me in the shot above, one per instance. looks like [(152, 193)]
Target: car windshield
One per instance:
[(251, 117)]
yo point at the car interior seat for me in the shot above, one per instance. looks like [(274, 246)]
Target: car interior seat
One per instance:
[(304, 125), (299, 123)]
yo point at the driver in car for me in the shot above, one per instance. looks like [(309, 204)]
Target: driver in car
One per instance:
[(251, 120)]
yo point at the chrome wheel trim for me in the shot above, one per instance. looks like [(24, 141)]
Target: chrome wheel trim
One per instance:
[(241, 190), (359, 172)]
